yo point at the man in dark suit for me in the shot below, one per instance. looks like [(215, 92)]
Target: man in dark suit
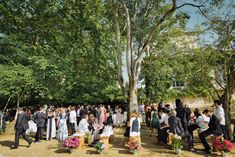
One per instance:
[(175, 127), (40, 120), (21, 126), (214, 129)]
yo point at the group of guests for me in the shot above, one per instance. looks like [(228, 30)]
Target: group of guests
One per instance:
[(183, 122), (59, 123), (97, 121)]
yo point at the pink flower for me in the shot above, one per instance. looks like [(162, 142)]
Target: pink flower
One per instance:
[(223, 145), (71, 142)]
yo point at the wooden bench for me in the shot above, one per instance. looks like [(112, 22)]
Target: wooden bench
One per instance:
[(213, 137), (105, 140), (82, 140), (135, 139), (170, 138)]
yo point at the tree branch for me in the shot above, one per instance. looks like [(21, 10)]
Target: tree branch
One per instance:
[(190, 4), (119, 50), (219, 83), (168, 13), (128, 44), (8, 100)]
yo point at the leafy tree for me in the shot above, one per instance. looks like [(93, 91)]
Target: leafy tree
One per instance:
[(140, 23)]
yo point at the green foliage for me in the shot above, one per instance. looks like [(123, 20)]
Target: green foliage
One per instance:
[(177, 143), (59, 52)]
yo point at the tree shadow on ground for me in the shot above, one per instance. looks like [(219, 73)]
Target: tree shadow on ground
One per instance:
[(52, 146), (92, 152), (127, 152), (213, 154), (62, 151)]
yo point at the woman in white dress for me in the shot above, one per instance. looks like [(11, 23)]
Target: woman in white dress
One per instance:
[(118, 111), (62, 132), (102, 117), (51, 127)]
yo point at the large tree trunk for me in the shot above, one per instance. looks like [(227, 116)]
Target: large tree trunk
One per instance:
[(133, 100), (226, 99), (227, 109)]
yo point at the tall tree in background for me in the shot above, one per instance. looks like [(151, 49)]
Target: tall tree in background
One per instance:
[(220, 24), (137, 25)]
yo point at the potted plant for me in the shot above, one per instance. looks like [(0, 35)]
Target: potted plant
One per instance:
[(134, 147), (71, 143), (224, 146), (177, 144), (100, 146)]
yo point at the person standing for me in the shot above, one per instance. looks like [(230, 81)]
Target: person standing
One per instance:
[(102, 116), (51, 127), (154, 120), (148, 116), (73, 119), (119, 116), (62, 132), (20, 128), (219, 113), (40, 120)]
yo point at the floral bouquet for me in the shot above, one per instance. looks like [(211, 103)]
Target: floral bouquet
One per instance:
[(134, 147), (100, 146), (71, 143), (223, 145), (177, 142)]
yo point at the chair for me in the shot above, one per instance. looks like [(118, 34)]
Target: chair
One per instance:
[(170, 138), (105, 140)]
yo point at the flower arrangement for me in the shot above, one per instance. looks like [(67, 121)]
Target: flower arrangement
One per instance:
[(223, 145), (177, 142), (134, 146), (71, 143), (100, 146)]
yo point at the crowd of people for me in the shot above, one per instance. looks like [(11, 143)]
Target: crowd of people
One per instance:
[(60, 122), (183, 122), (97, 120)]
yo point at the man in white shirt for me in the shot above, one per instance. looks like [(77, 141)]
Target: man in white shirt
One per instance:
[(73, 119), (219, 113)]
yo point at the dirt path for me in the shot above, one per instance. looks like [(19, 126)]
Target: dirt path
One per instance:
[(53, 148)]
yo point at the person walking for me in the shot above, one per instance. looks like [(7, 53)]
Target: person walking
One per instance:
[(20, 128)]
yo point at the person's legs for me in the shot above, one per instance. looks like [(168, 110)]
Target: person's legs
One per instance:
[(203, 136), (37, 134), (26, 137), (191, 128), (41, 132), (163, 135), (73, 128), (189, 139), (223, 129), (17, 137), (158, 135)]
